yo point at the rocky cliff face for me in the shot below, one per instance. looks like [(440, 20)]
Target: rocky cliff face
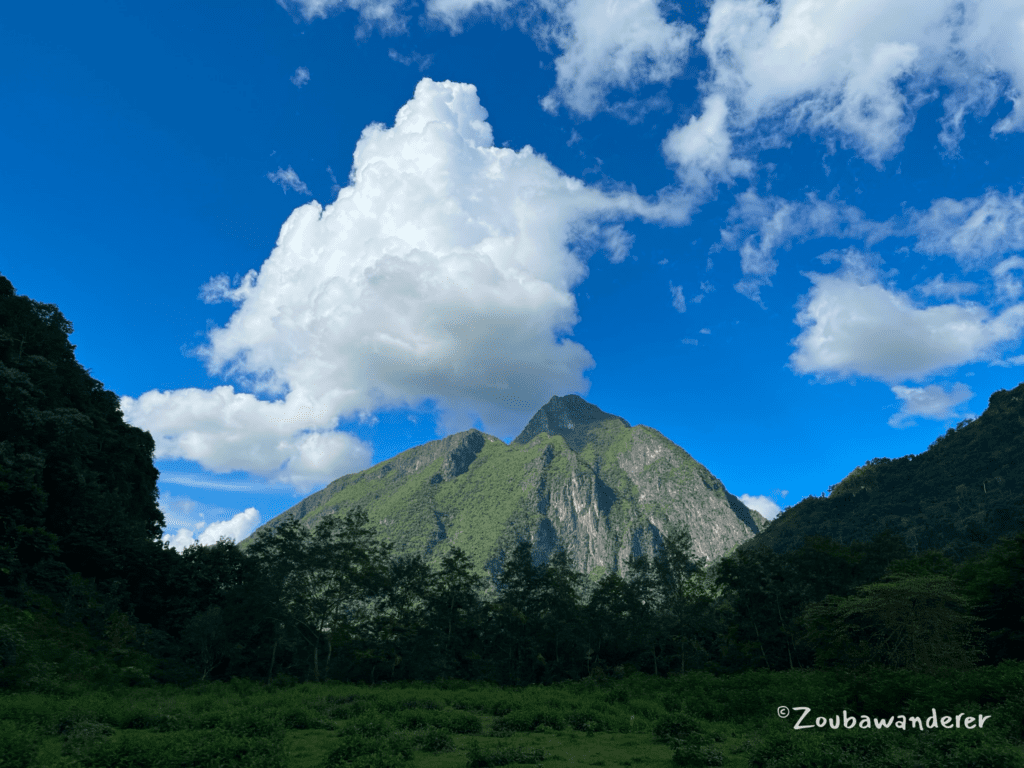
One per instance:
[(576, 479)]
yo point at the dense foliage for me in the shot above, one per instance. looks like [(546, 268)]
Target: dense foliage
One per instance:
[(959, 497), (89, 593)]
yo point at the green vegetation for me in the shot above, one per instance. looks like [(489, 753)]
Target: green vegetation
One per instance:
[(959, 497), (625, 719), (319, 643)]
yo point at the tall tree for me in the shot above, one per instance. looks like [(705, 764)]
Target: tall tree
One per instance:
[(514, 616), (995, 584), (562, 618), (764, 597), (906, 621), (616, 615), (326, 578), (399, 628), (458, 615)]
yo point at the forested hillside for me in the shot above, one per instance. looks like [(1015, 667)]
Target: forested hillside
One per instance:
[(90, 598), (959, 497)]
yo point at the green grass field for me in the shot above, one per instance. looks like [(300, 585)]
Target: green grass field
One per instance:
[(693, 720)]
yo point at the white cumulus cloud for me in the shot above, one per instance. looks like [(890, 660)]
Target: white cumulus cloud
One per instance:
[(857, 72), (605, 44), (610, 44), (441, 276), (762, 504), (975, 231), (701, 149), (931, 402), (188, 519), (301, 77), (853, 325)]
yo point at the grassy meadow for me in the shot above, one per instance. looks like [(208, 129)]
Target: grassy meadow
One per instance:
[(622, 719)]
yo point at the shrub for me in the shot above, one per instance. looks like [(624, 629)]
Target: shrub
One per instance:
[(185, 749), (361, 751), (460, 722), (697, 756), (370, 726), (586, 720), (253, 722), (503, 754), (18, 745), (436, 740), (523, 720), (298, 718)]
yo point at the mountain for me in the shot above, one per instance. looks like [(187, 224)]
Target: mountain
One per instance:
[(960, 496), (576, 479)]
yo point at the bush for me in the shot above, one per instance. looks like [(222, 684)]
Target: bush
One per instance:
[(361, 751), (369, 726), (184, 749), (436, 740), (504, 754), (697, 756), (682, 726), (18, 745), (298, 718), (247, 723), (81, 735), (524, 720), (586, 720), (460, 722)]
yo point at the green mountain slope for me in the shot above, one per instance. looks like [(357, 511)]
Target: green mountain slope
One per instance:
[(961, 495), (576, 479)]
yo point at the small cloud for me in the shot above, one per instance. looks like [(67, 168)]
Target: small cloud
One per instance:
[(689, 341), (931, 402), (335, 186), (573, 138), (301, 77), (1007, 363), (940, 288), (663, 262), (705, 330), (287, 179), (678, 300), (422, 62), (762, 504), (187, 517)]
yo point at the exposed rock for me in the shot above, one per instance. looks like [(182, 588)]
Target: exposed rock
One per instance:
[(576, 479)]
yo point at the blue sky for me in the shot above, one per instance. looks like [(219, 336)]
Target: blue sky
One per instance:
[(298, 238)]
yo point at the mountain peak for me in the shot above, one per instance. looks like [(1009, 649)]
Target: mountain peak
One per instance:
[(570, 416)]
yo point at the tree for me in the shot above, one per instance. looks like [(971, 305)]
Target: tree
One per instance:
[(561, 619), (764, 597), (684, 596), (457, 614), (324, 579), (399, 627), (616, 615), (994, 582), (514, 615), (911, 621)]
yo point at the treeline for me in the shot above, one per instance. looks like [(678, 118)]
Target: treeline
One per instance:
[(91, 596), (332, 603)]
